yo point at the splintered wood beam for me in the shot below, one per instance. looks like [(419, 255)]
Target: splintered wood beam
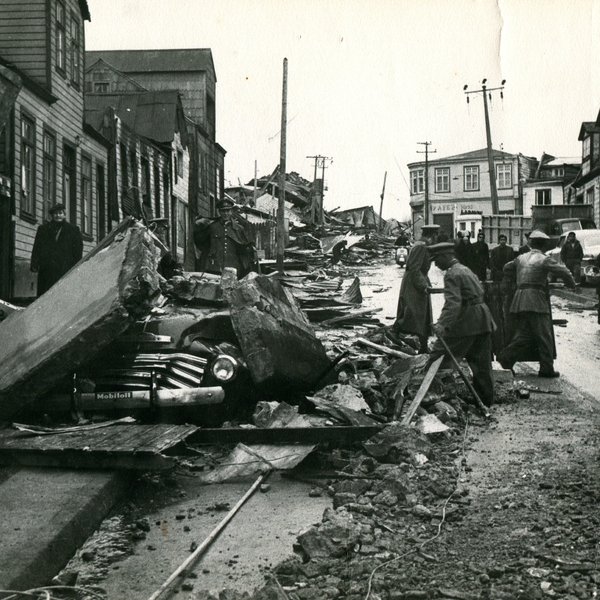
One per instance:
[(82, 313), (425, 385)]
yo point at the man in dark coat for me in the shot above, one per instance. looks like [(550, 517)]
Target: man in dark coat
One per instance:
[(57, 247), (480, 257), (534, 335), (463, 249), (571, 254), (465, 323), (499, 256), (223, 242), (413, 315)]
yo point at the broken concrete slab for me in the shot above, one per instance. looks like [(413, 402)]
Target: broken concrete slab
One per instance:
[(279, 345), (84, 311)]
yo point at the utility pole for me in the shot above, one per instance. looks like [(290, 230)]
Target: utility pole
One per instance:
[(485, 91), (254, 194), (381, 204), (320, 163), (426, 152), (282, 156)]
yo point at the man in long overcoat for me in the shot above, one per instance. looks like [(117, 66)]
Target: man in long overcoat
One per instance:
[(413, 315), (57, 247), (534, 335), (223, 242), (465, 323)]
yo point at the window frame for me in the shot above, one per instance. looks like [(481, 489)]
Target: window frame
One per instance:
[(86, 219), (60, 39), (417, 181), (442, 175), (587, 147), (473, 186), (49, 173), (545, 194), (27, 199), (501, 172), (75, 52)]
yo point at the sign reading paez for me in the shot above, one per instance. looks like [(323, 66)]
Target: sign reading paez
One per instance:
[(451, 208)]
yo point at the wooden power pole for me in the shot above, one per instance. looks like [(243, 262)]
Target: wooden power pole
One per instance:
[(426, 152), (282, 156), (381, 204)]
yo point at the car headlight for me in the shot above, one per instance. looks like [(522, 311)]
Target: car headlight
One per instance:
[(224, 368)]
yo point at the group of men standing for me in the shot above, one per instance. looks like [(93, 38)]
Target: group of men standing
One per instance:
[(466, 323)]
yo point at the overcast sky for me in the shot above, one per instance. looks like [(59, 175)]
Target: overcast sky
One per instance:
[(369, 79)]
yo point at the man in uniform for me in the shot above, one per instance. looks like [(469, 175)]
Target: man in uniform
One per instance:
[(465, 323), (413, 315), (57, 247), (534, 335), (223, 242)]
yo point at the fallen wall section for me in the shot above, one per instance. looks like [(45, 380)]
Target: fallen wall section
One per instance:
[(92, 304)]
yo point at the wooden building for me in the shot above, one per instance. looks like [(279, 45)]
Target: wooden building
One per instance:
[(46, 151)]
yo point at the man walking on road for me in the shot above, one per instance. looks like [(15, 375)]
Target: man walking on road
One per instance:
[(57, 247), (534, 335), (571, 254), (465, 323), (413, 315)]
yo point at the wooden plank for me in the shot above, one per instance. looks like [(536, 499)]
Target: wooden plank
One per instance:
[(384, 349), (278, 343), (82, 313), (412, 409)]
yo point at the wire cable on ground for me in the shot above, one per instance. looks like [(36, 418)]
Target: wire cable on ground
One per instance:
[(439, 531)]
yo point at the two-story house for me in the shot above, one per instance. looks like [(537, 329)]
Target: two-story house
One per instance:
[(47, 152), (460, 185), (587, 184), (551, 183)]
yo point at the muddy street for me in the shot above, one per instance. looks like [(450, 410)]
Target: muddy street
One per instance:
[(500, 508)]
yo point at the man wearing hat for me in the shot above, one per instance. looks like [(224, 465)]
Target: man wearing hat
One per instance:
[(465, 323), (413, 315), (57, 247), (530, 307), (223, 242)]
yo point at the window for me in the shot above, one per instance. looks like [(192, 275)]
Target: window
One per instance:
[(586, 146), (101, 199), (181, 225), (218, 183), (124, 169), (543, 196), (559, 172), (60, 37), (179, 164), (27, 166), (442, 179), (101, 87), (417, 181), (69, 182), (471, 179), (157, 211), (86, 196), (504, 176), (49, 174), (75, 52), (145, 183), (589, 196)]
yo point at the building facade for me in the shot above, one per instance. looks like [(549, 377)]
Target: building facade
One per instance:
[(586, 186), (460, 185), (47, 153)]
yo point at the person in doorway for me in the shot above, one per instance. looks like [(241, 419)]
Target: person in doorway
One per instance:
[(465, 323), (534, 334), (571, 254), (413, 315), (224, 242), (57, 247), (480, 257), (499, 256)]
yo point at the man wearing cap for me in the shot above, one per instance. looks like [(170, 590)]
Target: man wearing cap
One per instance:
[(57, 247), (530, 307), (223, 242), (413, 315), (465, 323)]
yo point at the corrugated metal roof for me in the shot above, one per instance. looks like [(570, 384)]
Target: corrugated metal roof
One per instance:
[(152, 61), (154, 115)]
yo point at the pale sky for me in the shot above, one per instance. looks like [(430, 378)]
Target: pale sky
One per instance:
[(369, 79)]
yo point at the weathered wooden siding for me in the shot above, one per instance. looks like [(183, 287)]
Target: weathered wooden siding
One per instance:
[(23, 36)]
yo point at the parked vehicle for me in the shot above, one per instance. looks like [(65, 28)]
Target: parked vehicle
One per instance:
[(590, 241), (553, 219), (401, 256)]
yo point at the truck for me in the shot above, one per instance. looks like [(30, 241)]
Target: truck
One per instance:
[(552, 219)]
